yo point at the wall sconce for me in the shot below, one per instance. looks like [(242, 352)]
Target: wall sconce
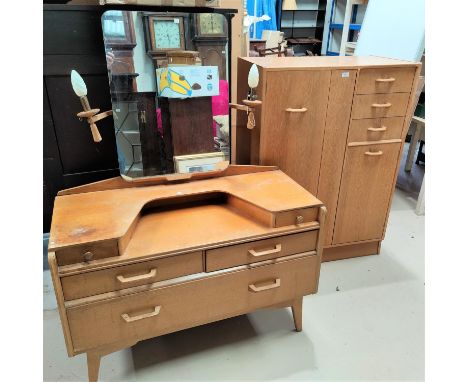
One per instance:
[(251, 102), (91, 115)]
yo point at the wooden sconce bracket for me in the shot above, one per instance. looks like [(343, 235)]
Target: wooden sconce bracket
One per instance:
[(249, 107), (92, 117)]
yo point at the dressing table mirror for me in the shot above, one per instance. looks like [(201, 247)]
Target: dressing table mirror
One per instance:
[(169, 83), (181, 238)]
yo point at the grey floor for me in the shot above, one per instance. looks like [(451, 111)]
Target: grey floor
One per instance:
[(365, 324)]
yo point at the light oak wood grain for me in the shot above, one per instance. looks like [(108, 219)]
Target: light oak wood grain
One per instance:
[(97, 282), (341, 252), (385, 80), (286, 136), (375, 129), (259, 250), (366, 188), (380, 105), (190, 304), (334, 143)]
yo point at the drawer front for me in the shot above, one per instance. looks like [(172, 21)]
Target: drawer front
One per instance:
[(366, 187), (302, 215), (385, 80), (126, 276), (160, 311), (87, 252), (255, 251), (375, 129), (380, 105)]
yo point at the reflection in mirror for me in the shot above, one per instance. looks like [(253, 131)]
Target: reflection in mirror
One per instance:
[(168, 75)]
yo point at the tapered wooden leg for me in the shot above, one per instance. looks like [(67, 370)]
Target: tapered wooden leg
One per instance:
[(297, 313), (94, 360)]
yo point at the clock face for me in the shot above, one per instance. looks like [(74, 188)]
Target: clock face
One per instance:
[(167, 34), (212, 23)]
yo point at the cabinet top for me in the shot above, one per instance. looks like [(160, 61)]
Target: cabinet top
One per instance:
[(325, 62)]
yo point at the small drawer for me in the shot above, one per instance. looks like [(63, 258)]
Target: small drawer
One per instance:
[(255, 251), (164, 310), (126, 276), (375, 129), (380, 105), (87, 252), (385, 80), (302, 215)]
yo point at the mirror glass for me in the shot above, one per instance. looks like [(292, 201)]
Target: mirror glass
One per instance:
[(168, 76)]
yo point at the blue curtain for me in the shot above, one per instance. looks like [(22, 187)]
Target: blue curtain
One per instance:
[(264, 7)]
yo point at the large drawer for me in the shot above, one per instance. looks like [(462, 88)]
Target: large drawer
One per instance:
[(260, 250), (375, 129), (126, 276), (380, 105), (164, 310), (385, 80)]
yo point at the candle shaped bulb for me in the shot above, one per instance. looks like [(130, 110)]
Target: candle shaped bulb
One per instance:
[(253, 77), (79, 86)]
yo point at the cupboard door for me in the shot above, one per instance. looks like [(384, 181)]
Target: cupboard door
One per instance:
[(293, 122), (366, 188)]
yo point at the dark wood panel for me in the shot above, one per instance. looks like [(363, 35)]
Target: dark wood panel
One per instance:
[(78, 151), (72, 32), (191, 124)]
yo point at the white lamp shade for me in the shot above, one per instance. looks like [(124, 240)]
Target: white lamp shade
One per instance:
[(79, 86), (253, 77), (289, 5)]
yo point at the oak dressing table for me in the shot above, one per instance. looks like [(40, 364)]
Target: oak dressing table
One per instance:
[(135, 260)]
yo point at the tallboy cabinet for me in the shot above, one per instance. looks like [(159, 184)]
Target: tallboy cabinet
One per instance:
[(336, 125)]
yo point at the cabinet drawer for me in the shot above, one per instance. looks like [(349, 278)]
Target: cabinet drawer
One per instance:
[(81, 253), (366, 187), (126, 276), (380, 105), (375, 129), (260, 250), (156, 312), (385, 80)]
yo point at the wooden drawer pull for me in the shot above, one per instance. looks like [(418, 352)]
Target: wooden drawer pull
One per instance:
[(127, 318), (388, 104), (301, 110), (266, 252), (146, 276), (276, 284), (373, 153), (383, 128), (391, 79)]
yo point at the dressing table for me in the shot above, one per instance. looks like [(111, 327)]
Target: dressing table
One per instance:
[(136, 257), (136, 260)]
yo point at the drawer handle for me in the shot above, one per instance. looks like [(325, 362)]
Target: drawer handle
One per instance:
[(373, 153), (301, 110), (388, 104), (383, 128), (255, 288), (146, 276), (127, 318), (254, 253), (391, 79)]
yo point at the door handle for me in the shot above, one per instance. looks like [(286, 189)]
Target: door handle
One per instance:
[(146, 276), (388, 104), (301, 110), (383, 128), (391, 79), (255, 288), (254, 253), (373, 153), (127, 317)]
